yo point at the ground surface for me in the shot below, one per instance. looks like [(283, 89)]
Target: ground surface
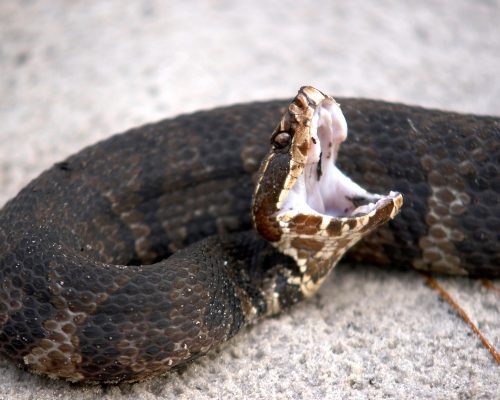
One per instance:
[(74, 72)]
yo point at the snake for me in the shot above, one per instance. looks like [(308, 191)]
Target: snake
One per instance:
[(145, 251)]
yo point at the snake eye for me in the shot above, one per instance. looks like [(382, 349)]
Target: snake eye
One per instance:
[(281, 139)]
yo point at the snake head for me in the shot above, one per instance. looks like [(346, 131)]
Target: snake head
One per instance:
[(303, 203)]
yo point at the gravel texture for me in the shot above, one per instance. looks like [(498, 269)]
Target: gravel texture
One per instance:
[(74, 72)]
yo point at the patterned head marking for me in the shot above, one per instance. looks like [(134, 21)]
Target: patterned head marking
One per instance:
[(303, 203)]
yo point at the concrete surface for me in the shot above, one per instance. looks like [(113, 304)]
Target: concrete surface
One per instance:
[(73, 72)]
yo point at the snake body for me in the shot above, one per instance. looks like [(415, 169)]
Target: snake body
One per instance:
[(137, 254)]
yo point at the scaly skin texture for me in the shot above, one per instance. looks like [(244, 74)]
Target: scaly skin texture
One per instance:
[(90, 288)]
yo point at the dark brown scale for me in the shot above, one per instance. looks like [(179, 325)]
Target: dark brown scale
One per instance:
[(418, 149), (94, 287)]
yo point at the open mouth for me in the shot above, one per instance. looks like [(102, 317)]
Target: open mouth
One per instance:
[(322, 188)]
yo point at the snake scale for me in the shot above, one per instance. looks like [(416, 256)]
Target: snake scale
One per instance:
[(144, 251)]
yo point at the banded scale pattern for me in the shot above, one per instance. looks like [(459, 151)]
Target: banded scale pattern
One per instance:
[(108, 269)]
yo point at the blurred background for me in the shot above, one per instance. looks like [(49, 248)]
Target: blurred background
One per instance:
[(74, 72)]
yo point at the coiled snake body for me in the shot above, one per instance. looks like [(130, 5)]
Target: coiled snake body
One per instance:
[(137, 254)]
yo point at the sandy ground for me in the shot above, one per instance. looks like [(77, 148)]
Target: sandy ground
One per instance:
[(73, 72)]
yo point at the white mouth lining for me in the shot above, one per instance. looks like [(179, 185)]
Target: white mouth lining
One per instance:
[(322, 188)]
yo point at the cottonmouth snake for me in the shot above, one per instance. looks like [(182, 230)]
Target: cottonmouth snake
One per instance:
[(137, 254)]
